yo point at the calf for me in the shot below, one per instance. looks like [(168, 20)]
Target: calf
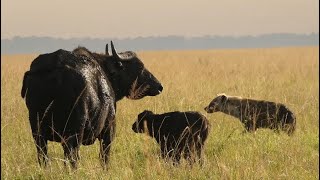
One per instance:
[(255, 113), (177, 133)]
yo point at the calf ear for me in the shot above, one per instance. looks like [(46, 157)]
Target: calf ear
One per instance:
[(147, 113), (145, 126)]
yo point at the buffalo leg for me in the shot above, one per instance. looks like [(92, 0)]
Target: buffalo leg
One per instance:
[(105, 143), (71, 150), (42, 150), (39, 138)]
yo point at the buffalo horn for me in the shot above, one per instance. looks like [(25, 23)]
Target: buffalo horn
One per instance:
[(113, 50), (107, 50)]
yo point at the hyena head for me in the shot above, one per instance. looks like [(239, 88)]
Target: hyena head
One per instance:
[(217, 103)]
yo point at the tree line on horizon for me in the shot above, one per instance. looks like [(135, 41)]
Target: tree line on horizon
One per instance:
[(33, 44)]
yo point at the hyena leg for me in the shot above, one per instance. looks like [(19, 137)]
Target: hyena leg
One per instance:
[(249, 126), (71, 150), (276, 129)]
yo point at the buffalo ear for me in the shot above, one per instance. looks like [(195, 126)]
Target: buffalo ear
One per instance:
[(119, 65), (115, 68)]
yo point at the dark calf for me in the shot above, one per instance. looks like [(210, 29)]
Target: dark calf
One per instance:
[(177, 133)]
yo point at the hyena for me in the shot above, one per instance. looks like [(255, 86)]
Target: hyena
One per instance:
[(255, 113)]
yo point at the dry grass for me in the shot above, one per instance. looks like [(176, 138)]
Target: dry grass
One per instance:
[(190, 79)]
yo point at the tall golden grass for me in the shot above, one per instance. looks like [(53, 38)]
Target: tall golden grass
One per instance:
[(190, 79)]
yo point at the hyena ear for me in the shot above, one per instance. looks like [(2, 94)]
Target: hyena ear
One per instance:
[(224, 98)]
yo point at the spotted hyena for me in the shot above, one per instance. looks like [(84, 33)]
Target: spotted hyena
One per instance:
[(255, 113)]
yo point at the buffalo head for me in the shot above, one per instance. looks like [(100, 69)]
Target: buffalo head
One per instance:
[(129, 77)]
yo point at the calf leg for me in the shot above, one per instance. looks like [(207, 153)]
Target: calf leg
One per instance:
[(175, 156), (164, 150), (192, 153), (199, 148), (168, 153), (290, 129), (163, 154), (189, 156)]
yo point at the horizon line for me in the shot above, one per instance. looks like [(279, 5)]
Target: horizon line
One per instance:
[(158, 36)]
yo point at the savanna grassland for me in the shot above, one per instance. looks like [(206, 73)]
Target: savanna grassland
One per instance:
[(190, 79)]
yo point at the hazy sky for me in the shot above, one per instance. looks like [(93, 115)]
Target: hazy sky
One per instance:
[(132, 18)]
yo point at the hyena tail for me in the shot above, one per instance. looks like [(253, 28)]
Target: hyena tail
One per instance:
[(24, 84)]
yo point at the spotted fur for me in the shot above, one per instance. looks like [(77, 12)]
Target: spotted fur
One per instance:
[(255, 114)]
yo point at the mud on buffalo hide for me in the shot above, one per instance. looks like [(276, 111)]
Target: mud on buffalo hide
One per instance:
[(71, 97)]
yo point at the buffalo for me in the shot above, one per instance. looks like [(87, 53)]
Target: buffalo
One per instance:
[(179, 134), (71, 97)]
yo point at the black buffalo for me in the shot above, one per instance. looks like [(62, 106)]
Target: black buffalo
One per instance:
[(177, 133), (71, 97)]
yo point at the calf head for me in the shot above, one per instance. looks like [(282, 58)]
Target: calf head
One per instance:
[(139, 126), (129, 77), (217, 103)]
